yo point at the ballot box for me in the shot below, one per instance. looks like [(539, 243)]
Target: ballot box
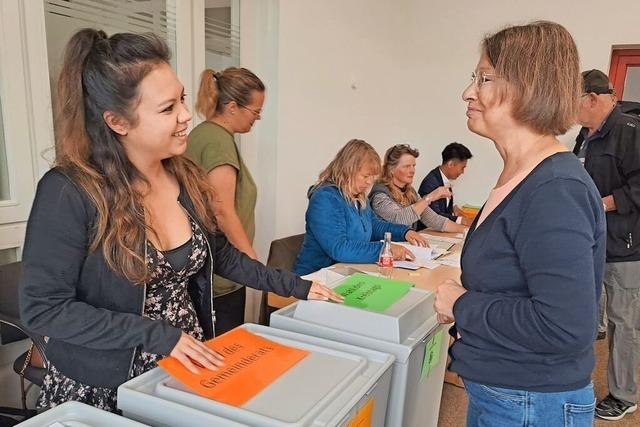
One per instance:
[(76, 414), (335, 384), (407, 329)]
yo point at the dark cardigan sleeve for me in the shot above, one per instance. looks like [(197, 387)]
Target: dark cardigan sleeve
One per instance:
[(55, 250), (232, 264)]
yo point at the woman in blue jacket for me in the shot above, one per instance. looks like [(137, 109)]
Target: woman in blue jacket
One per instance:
[(341, 227)]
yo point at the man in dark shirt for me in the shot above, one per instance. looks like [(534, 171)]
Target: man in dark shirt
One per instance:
[(609, 146), (454, 161), (603, 91)]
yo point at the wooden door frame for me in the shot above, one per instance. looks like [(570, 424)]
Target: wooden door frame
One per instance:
[(620, 60)]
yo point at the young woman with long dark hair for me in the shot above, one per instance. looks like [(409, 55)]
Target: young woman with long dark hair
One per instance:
[(121, 244)]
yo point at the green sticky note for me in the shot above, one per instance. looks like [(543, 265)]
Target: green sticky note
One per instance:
[(372, 293), (431, 354)]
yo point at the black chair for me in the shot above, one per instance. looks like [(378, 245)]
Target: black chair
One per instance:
[(282, 254), (13, 330)]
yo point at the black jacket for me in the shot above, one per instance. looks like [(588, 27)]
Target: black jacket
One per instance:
[(430, 182), (613, 161), (92, 315)]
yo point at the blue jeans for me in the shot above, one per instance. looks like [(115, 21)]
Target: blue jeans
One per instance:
[(491, 406)]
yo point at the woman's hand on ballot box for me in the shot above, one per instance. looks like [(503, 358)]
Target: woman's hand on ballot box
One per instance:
[(322, 293), (193, 353)]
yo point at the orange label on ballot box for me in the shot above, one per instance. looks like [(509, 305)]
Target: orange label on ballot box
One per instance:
[(251, 363), (363, 417)]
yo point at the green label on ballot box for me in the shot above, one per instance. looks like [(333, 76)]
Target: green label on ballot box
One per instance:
[(431, 354), (372, 293)]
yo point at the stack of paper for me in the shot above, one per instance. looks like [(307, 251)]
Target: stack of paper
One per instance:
[(421, 253), (445, 246), (444, 239), (329, 276), (411, 265), (326, 276), (452, 260), (423, 256)]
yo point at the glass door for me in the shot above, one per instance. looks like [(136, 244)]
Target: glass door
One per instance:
[(4, 167), (632, 84), (625, 73), (17, 177), (221, 34), (64, 17)]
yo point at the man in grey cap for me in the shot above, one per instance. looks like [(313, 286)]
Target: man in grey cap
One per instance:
[(609, 146)]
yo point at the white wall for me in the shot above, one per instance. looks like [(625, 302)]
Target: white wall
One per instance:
[(388, 71)]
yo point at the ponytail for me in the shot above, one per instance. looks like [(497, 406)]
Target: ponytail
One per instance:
[(218, 89), (206, 104), (72, 141)]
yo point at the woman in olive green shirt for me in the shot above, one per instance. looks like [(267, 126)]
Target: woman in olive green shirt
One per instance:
[(230, 102)]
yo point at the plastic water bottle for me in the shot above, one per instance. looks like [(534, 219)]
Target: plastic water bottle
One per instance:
[(385, 261)]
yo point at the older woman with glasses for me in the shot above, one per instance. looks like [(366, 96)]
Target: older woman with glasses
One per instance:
[(394, 199), (526, 312), (341, 227), (230, 101)]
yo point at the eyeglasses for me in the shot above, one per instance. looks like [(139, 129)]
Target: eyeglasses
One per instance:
[(480, 79), (257, 114)]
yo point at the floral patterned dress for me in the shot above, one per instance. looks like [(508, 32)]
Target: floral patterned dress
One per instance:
[(166, 298)]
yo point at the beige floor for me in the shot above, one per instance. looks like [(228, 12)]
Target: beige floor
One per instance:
[(453, 408)]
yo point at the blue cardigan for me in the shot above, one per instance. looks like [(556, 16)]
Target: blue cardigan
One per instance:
[(533, 271), (337, 231)]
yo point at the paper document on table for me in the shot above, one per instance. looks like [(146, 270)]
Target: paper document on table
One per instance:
[(325, 276), (424, 256), (454, 240), (439, 244), (346, 270), (421, 253), (411, 265), (408, 265), (452, 260), (430, 264), (438, 253)]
